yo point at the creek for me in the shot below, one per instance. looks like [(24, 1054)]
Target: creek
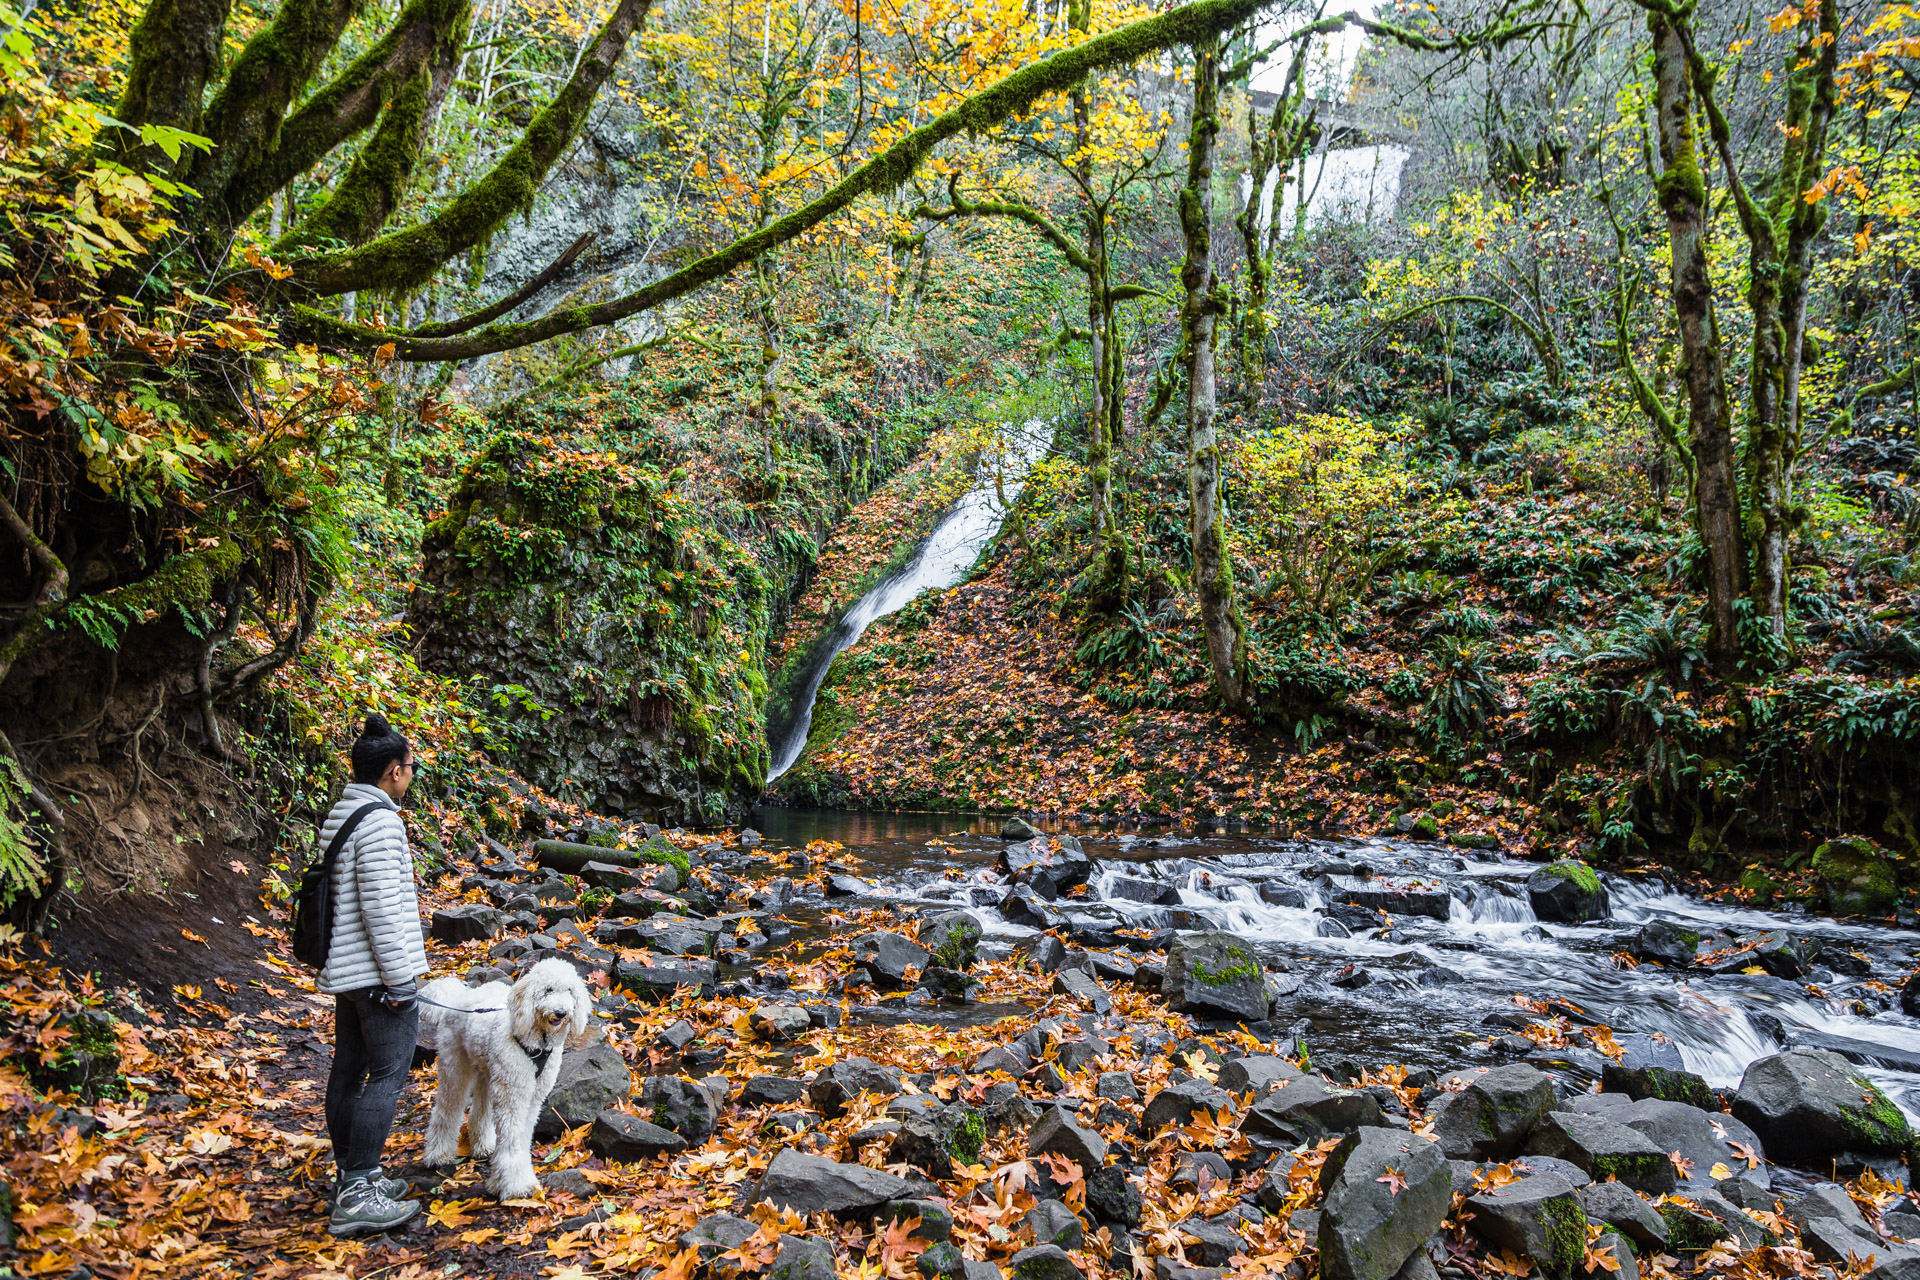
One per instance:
[(1420, 990), (939, 562)]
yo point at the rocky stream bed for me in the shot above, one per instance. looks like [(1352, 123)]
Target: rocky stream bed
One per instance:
[(1183, 1056)]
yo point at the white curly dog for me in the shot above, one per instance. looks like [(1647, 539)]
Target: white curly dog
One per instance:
[(499, 1048)]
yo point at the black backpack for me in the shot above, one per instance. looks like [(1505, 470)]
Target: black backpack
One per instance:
[(313, 900)]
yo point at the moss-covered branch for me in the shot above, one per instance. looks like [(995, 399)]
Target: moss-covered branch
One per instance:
[(532, 288), (884, 172), (370, 190), (963, 208), (53, 585), (351, 101), (172, 54), (274, 67), (409, 258)]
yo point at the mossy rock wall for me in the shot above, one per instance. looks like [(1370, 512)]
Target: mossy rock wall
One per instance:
[(623, 630)]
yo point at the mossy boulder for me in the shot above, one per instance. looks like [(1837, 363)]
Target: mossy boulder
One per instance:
[(1809, 1105), (1214, 975), (1856, 876), (617, 626), (1568, 892)]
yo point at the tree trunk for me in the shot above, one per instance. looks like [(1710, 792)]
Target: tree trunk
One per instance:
[(1683, 195), (1212, 562), (172, 54)]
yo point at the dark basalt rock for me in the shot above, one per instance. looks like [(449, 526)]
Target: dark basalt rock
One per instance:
[(1568, 892), (1491, 1117), (1214, 975), (1367, 1228), (814, 1184), (592, 1080), (1538, 1217), (1809, 1105), (629, 1139)]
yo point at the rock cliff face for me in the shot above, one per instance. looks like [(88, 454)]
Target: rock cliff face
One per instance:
[(622, 630)]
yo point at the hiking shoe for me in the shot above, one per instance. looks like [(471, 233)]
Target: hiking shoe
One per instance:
[(362, 1208), (392, 1188)]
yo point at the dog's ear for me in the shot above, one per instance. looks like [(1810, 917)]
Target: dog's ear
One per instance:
[(582, 1012), (520, 1006)]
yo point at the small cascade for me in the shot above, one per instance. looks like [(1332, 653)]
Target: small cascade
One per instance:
[(942, 560), (1402, 949)]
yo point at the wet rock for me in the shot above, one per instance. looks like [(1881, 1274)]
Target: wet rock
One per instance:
[(1331, 928), (1024, 906), (1307, 1111), (715, 1234), (663, 979), (1043, 953), (934, 1139), (1283, 895), (679, 1104), (628, 1139), (1666, 1084), (951, 938), (1193, 1168), (889, 957), (1214, 975), (983, 1271), (936, 1220), (780, 1023), (1368, 1229), (1902, 1222), (1567, 892), (471, 922), (1016, 828), (771, 1091), (1149, 978), (1177, 1104), (1049, 865), (1010, 1058), (1275, 1186), (1117, 1085), (1261, 1074), (839, 1084), (1112, 1197), (1044, 1262), (1620, 1207), (1603, 1149), (1074, 1056), (814, 1184), (1153, 892), (802, 1258), (1081, 986), (1491, 1117), (1058, 1133), (1857, 877), (1703, 1138), (1395, 900), (1111, 968), (1808, 1105), (1209, 1243), (942, 1261), (1828, 1201), (943, 983), (589, 1082), (1666, 942), (1538, 1217), (1712, 1218), (844, 887), (1910, 996), (1779, 952), (1053, 1223)]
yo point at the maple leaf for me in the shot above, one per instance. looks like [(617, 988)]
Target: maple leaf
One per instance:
[(1681, 1165), (1396, 1182), (1747, 1153), (1720, 1172), (450, 1215), (1601, 1257)]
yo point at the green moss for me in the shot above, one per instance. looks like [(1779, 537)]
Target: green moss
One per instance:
[(1426, 828), (1566, 1228), (1763, 887), (1679, 1086), (1627, 1168), (1241, 967), (1857, 877), (1579, 872), (1687, 1231), (968, 1137)]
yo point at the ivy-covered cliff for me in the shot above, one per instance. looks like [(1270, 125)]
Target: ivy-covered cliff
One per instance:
[(620, 628)]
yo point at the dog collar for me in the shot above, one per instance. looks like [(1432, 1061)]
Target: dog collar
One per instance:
[(538, 1059)]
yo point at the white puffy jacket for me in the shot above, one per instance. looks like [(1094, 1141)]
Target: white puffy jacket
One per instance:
[(376, 912)]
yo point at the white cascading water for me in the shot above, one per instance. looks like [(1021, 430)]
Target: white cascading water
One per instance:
[(1496, 945), (942, 560)]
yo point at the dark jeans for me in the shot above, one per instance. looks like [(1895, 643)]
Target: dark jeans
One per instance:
[(372, 1052)]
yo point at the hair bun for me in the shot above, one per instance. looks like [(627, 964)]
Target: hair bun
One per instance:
[(376, 725)]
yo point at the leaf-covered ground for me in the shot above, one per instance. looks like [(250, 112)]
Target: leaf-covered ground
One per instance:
[(205, 1156)]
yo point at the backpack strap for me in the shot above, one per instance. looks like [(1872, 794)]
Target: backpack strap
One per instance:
[(339, 840)]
